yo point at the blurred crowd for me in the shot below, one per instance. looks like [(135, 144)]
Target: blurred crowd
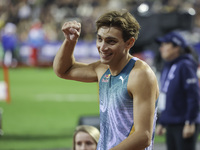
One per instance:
[(51, 14), (39, 21)]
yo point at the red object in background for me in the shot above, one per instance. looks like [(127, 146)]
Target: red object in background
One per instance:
[(33, 57), (6, 79)]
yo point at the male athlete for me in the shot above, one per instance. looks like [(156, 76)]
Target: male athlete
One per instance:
[(128, 88)]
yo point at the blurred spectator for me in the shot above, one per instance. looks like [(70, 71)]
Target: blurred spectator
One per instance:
[(85, 137), (24, 11), (9, 43), (36, 39), (52, 14), (179, 93)]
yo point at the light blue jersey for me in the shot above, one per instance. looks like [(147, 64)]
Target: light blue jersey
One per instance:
[(116, 109)]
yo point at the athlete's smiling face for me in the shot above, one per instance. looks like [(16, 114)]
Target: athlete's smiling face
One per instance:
[(111, 45)]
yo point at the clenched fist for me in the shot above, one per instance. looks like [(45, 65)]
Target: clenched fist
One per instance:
[(71, 30)]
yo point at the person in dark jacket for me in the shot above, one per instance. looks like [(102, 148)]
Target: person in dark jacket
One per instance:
[(179, 93)]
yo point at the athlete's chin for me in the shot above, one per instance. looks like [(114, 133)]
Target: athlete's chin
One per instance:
[(106, 62)]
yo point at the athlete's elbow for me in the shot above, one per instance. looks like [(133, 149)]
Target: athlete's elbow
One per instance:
[(147, 138), (58, 72)]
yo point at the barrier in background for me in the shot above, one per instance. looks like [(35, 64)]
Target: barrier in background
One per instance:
[(90, 120)]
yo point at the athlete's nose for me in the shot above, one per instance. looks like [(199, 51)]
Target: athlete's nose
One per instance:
[(102, 46)]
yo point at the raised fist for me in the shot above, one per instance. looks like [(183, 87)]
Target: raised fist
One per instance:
[(71, 30)]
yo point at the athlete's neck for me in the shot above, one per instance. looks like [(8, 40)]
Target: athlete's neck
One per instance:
[(117, 68)]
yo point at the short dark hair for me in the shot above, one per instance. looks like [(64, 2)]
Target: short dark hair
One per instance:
[(121, 19)]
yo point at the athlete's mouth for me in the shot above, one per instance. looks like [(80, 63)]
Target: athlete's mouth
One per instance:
[(105, 55)]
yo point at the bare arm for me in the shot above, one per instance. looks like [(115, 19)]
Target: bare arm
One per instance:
[(64, 64), (64, 58), (142, 85)]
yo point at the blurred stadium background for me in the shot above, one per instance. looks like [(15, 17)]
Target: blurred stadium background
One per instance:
[(44, 110)]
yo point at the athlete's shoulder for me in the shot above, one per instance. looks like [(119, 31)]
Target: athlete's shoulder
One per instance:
[(100, 69), (141, 67), (142, 74), (142, 71)]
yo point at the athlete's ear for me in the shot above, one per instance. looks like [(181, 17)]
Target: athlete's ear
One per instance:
[(130, 42)]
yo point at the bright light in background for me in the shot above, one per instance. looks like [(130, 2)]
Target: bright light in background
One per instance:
[(191, 11), (143, 8)]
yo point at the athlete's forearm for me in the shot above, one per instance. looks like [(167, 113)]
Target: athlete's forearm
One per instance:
[(64, 58), (136, 141)]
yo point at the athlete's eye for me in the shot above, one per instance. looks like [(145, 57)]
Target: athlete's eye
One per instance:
[(99, 38), (112, 42)]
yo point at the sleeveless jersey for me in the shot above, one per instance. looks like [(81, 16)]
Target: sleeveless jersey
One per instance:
[(116, 109)]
